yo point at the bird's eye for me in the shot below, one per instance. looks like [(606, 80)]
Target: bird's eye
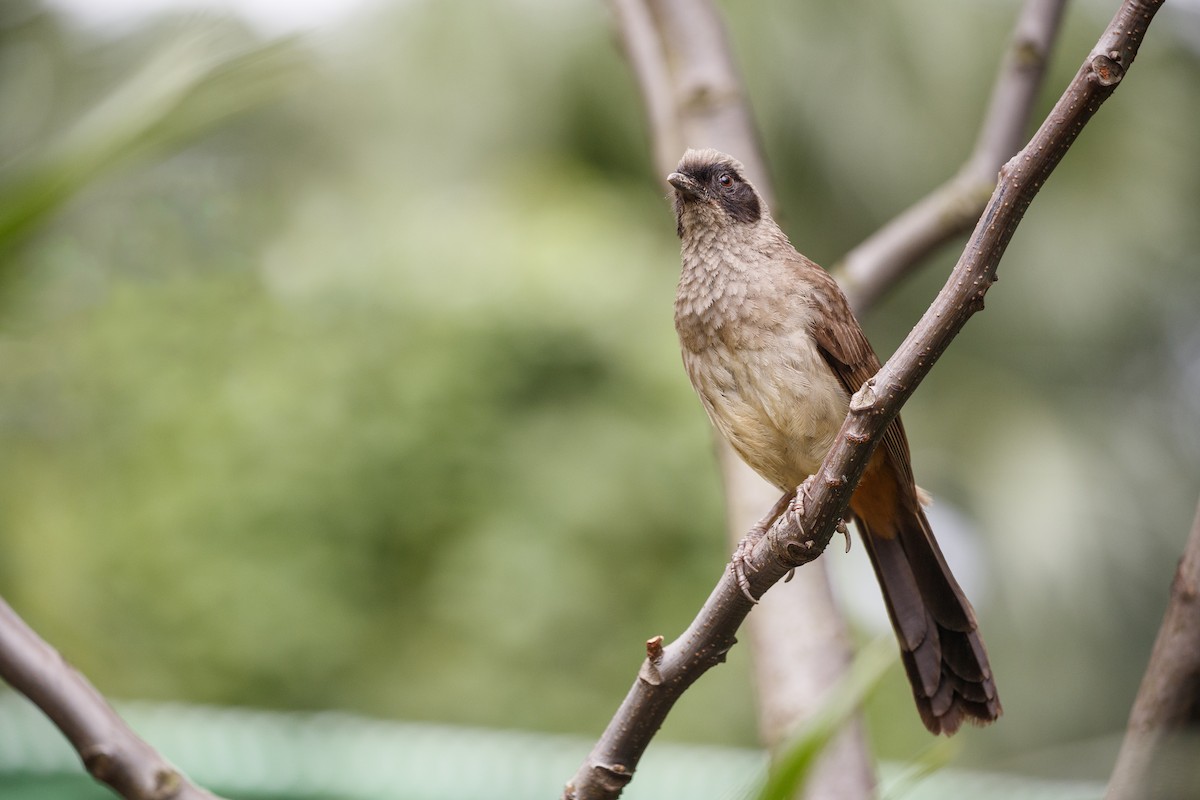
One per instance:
[(726, 180)]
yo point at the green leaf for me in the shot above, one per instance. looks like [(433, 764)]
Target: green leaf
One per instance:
[(193, 84), (794, 763)]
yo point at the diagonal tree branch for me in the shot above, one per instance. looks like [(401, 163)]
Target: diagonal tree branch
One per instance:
[(109, 748), (798, 538), (876, 264), (798, 637), (1168, 701), (693, 96)]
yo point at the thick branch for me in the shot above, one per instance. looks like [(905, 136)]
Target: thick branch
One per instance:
[(694, 97), (644, 50), (611, 764), (1168, 701), (706, 101), (868, 270), (109, 748)]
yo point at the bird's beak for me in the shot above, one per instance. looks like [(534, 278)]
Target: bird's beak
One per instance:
[(685, 184)]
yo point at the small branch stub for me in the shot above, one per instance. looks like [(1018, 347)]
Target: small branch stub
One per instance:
[(864, 398), (654, 649), (650, 673), (1107, 70)]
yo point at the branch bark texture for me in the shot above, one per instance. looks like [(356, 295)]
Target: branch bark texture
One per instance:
[(797, 538), (1168, 701), (108, 747)]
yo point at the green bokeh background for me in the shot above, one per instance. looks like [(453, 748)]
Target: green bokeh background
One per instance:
[(339, 373)]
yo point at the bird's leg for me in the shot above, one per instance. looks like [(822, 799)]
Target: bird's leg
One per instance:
[(746, 545), (844, 531)]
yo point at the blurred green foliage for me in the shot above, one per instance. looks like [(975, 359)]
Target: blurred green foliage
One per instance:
[(793, 765), (339, 372)]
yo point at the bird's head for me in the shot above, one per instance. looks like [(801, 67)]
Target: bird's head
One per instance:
[(711, 190)]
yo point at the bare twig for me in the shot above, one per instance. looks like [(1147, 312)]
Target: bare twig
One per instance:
[(694, 98), (1168, 701), (109, 748), (876, 264), (613, 760)]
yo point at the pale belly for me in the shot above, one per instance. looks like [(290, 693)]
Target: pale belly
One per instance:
[(780, 408)]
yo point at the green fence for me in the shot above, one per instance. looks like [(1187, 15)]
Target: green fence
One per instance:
[(258, 754)]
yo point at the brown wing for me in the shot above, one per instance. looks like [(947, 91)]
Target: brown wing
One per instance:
[(847, 351), (940, 646)]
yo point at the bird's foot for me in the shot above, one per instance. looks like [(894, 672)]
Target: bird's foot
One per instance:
[(739, 563), (741, 568), (794, 514), (800, 549)]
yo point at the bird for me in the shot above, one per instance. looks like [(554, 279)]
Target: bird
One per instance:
[(774, 352)]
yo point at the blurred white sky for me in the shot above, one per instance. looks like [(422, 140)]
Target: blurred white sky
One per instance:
[(269, 16)]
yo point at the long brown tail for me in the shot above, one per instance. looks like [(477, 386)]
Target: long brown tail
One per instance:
[(940, 646)]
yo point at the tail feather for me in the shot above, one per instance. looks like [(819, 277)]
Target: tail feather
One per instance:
[(942, 652)]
